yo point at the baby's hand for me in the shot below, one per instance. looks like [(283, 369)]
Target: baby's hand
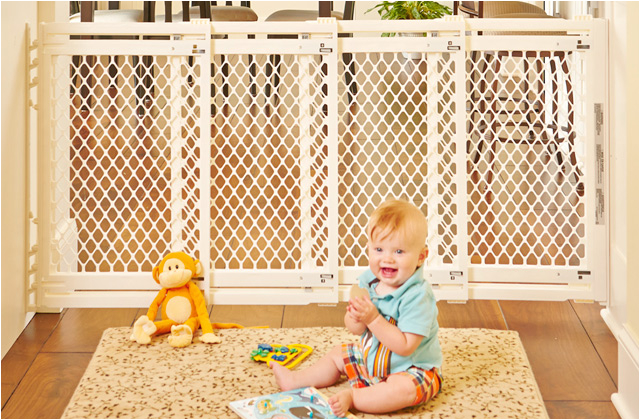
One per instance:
[(352, 322), (350, 312), (363, 310)]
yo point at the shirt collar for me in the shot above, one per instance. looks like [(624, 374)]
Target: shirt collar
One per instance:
[(368, 279)]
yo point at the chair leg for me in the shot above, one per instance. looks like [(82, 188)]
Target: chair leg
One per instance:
[(539, 108), (492, 135), (149, 81), (142, 81), (87, 81), (555, 109), (273, 78), (213, 86), (75, 64), (224, 67), (477, 125), (349, 79), (539, 105), (253, 71), (113, 71), (571, 135), (528, 101), (481, 109)]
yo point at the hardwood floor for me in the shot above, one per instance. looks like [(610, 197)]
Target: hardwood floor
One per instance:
[(571, 351)]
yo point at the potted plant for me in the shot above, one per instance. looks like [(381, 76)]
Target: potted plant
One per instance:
[(404, 10), (397, 10)]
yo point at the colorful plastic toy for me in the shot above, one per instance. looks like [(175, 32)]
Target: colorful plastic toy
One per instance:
[(288, 356)]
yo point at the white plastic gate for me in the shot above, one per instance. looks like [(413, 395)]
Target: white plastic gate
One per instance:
[(264, 157)]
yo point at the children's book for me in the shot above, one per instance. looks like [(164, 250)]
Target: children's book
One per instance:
[(302, 403)]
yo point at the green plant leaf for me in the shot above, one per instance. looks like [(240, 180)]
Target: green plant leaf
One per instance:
[(396, 10)]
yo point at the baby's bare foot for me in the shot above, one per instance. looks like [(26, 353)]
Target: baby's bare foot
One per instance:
[(284, 377), (341, 402)]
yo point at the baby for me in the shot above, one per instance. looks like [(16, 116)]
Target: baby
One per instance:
[(397, 362)]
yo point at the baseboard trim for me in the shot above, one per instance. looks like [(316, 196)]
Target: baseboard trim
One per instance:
[(625, 400)]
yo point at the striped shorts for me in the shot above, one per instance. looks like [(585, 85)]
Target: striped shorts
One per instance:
[(427, 382)]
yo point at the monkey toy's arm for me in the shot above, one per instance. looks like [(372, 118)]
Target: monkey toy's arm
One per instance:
[(155, 305), (201, 307), (203, 315)]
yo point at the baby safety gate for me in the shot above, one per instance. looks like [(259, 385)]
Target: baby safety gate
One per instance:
[(263, 157)]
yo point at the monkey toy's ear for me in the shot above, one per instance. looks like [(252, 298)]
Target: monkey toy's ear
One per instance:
[(156, 274), (199, 269)]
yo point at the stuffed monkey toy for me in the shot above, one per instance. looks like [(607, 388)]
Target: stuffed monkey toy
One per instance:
[(182, 304)]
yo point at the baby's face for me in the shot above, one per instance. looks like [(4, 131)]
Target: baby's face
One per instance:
[(394, 259)]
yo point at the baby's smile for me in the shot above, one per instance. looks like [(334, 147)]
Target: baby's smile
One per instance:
[(388, 271)]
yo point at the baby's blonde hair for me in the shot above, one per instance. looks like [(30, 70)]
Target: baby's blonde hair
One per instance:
[(401, 217)]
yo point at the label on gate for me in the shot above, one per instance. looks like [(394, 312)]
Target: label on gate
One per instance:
[(599, 157)]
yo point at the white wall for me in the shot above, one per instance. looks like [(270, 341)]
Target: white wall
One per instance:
[(14, 17), (14, 81), (623, 96), (633, 157), (622, 312), (623, 153)]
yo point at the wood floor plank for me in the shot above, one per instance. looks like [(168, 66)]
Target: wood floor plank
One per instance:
[(564, 362), (80, 330), (313, 315), (24, 351), (47, 386), (249, 315), (139, 313), (581, 410), (601, 336), (473, 314)]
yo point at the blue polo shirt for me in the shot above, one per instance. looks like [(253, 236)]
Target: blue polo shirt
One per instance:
[(412, 307)]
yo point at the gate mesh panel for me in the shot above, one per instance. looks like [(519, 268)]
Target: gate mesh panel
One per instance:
[(526, 134), (269, 162), (126, 157), (396, 141), (125, 186)]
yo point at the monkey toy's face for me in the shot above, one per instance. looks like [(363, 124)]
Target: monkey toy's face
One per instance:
[(174, 274)]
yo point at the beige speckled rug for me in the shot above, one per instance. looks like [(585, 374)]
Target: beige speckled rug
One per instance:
[(486, 375)]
